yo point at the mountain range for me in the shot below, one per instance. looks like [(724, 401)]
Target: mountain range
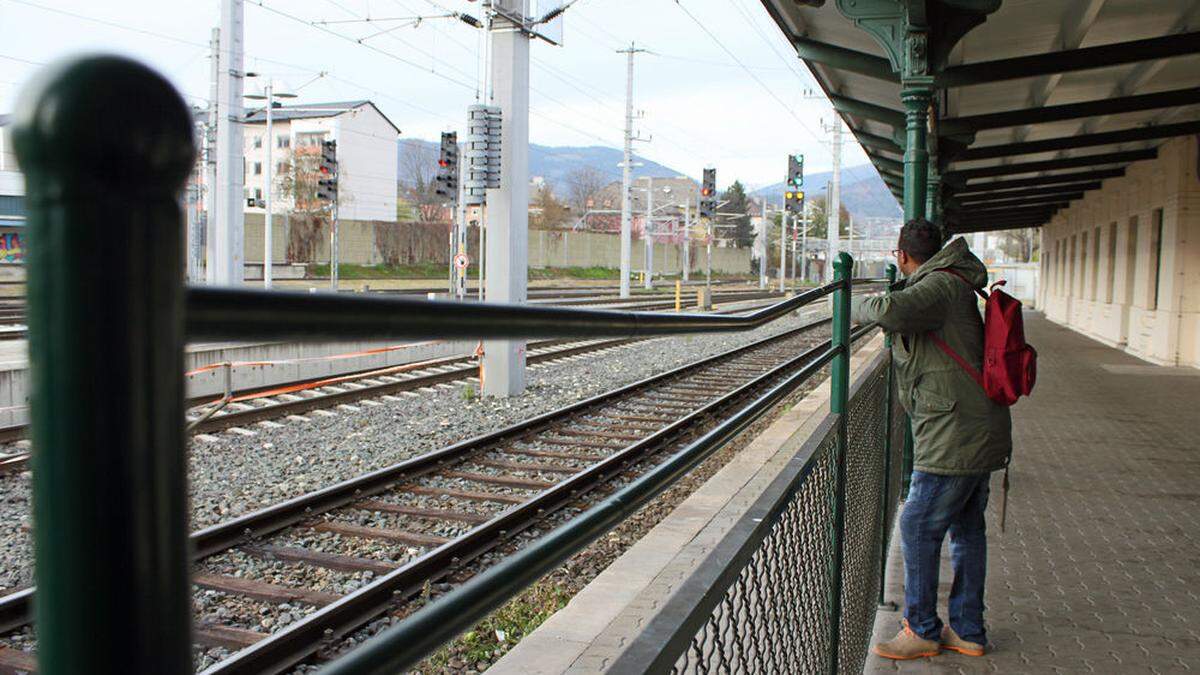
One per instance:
[(863, 192)]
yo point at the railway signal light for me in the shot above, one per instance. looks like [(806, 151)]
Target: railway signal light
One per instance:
[(708, 193), (446, 181), (793, 201), (795, 172), (327, 182)]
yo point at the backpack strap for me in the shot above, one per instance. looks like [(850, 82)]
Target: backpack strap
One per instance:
[(975, 374), (942, 345)]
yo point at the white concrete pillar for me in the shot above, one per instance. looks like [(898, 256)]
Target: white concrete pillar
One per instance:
[(225, 267), (508, 205)]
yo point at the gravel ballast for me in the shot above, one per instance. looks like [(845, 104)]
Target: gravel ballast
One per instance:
[(237, 474)]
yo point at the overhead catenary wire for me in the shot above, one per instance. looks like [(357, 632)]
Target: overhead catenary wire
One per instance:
[(769, 90), (274, 10)]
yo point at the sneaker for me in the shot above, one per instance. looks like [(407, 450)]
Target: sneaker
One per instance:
[(951, 641), (907, 645)]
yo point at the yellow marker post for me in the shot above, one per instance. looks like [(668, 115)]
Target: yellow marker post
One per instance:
[(678, 294)]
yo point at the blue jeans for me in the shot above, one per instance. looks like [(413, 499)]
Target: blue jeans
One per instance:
[(937, 504)]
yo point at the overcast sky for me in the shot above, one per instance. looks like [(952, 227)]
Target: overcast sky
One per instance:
[(701, 107)]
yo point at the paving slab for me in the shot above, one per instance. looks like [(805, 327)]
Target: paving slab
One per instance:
[(1099, 567)]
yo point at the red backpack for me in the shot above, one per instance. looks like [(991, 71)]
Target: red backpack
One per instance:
[(1009, 363)]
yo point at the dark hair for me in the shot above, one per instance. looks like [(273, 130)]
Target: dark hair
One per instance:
[(920, 239)]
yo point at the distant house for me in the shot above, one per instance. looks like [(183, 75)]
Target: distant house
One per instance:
[(12, 199), (366, 152), (673, 196)]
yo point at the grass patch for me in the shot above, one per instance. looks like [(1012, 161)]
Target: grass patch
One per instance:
[(436, 270), (495, 635), (352, 271)]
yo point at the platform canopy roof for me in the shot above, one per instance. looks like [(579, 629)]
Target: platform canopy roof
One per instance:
[(1036, 102)]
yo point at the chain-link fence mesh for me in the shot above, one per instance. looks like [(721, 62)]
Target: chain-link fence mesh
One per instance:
[(772, 611), (865, 481), (774, 617)]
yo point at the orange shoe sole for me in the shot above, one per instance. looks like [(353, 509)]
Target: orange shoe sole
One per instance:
[(963, 651), (898, 657)]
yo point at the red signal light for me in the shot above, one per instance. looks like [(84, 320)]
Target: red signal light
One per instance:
[(443, 163)]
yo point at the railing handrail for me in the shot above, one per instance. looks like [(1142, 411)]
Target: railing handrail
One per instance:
[(406, 643), (219, 313)]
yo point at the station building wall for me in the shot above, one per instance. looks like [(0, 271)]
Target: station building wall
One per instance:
[(1122, 265)]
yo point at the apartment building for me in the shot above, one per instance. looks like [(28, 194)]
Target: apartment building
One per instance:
[(366, 148)]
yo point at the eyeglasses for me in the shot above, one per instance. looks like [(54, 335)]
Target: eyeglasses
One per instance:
[(895, 253)]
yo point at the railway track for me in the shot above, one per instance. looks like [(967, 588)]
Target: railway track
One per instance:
[(259, 406), (437, 517)]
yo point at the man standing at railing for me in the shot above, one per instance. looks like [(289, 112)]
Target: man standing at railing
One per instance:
[(960, 436)]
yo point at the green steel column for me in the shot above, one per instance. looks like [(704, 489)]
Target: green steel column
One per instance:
[(106, 145), (838, 403), (916, 155), (886, 497)]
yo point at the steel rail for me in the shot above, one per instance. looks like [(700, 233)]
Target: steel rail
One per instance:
[(15, 608), (236, 314), (404, 645), (17, 432), (299, 640)]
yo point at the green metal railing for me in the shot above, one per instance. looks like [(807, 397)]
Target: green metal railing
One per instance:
[(108, 319), (791, 588)]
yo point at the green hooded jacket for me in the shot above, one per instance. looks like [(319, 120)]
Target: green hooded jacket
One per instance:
[(958, 430)]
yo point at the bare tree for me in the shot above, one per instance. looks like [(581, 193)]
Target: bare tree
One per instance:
[(1019, 245), (297, 182), (583, 185), (546, 212), (418, 165)]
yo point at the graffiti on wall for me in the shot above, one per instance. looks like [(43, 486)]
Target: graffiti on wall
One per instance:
[(11, 248)]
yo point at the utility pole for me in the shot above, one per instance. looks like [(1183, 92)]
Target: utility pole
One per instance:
[(833, 225), (804, 244), (627, 175), (508, 204), (267, 271), (708, 259), (210, 158), (648, 247), (269, 95), (225, 268), (687, 237), (760, 243), (783, 221)]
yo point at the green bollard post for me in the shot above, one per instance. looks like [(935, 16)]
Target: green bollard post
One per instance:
[(106, 145), (886, 497), (839, 382)]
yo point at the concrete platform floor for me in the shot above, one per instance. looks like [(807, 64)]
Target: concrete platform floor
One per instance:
[(1099, 569)]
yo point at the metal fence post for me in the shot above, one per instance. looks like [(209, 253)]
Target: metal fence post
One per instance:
[(105, 278), (885, 504), (839, 402)]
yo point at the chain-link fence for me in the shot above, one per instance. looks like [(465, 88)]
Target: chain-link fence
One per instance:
[(762, 601)]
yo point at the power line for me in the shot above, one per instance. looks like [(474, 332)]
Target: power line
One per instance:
[(371, 47)]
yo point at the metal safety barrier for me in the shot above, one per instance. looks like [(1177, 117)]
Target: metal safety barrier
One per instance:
[(108, 319), (791, 588)]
